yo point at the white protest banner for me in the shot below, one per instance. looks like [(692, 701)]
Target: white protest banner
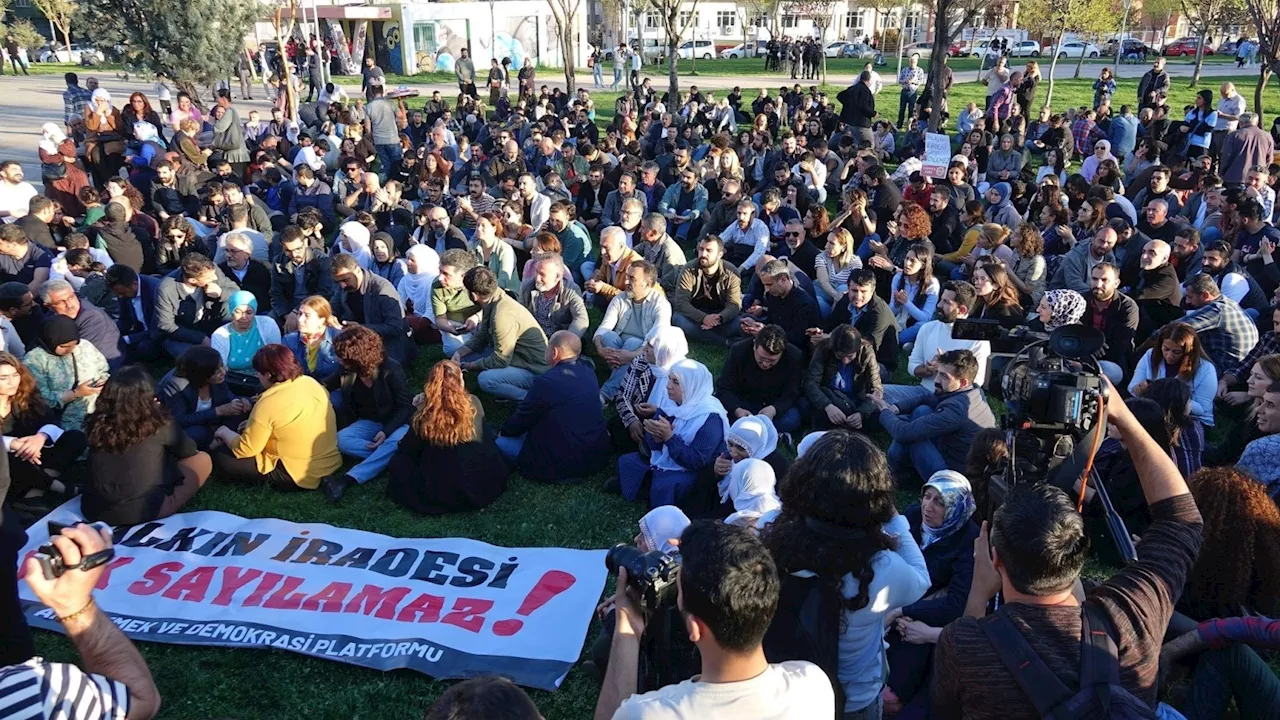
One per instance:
[(447, 607), (937, 155)]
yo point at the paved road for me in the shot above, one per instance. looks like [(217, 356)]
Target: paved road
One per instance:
[(32, 101)]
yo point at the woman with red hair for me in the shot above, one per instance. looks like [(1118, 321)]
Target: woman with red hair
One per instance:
[(291, 438), (447, 462)]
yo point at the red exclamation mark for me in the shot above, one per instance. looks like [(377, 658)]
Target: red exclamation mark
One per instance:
[(552, 584)]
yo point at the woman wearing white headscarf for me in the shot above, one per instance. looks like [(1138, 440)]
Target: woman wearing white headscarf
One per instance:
[(422, 267), (1101, 153), (942, 524), (353, 240), (103, 140), (752, 486), (682, 441), (60, 170), (750, 437), (644, 387)]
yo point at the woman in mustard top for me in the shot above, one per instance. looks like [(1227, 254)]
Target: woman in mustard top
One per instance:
[(290, 440)]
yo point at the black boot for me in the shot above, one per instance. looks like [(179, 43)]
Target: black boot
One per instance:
[(333, 486)]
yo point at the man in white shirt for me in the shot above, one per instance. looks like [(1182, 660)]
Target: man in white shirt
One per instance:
[(725, 569), (1230, 107), (746, 240), (934, 339), (15, 194)]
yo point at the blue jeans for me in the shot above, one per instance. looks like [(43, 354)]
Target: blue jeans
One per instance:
[(723, 334), (617, 78), (899, 394), (909, 335), (788, 421), (907, 105), (511, 383), (597, 75), (611, 339), (923, 454), (353, 441), (825, 304), (864, 250), (510, 446), (389, 156)]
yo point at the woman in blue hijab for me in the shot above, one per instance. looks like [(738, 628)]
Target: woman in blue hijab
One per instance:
[(942, 524), (238, 340)]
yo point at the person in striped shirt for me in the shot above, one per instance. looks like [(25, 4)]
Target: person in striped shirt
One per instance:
[(114, 681)]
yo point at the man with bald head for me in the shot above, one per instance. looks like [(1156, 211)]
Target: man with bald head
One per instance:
[(442, 235), (610, 277), (1155, 222), (557, 433), (1158, 291)]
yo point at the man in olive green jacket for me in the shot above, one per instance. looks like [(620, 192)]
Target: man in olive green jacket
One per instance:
[(518, 345)]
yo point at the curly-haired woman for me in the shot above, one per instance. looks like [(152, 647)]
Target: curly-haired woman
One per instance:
[(177, 239), (447, 463), (1238, 571), (143, 466), (838, 522), (375, 407), (36, 443)]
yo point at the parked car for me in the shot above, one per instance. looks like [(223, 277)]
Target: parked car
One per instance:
[(835, 49), (79, 54), (1026, 48), (751, 49), (1227, 48), (1184, 47), (954, 50), (653, 51), (923, 49), (702, 49), (1075, 49), (859, 51)]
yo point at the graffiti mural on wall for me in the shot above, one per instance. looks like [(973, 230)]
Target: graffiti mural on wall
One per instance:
[(338, 40), (392, 41), (438, 42)]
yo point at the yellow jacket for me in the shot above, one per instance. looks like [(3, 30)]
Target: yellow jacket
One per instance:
[(293, 422)]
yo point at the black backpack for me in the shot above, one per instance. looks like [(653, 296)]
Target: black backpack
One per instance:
[(1100, 695), (806, 626)]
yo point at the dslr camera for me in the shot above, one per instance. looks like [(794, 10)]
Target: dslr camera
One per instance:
[(652, 574)]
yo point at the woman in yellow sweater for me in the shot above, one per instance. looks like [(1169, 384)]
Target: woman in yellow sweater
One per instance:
[(290, 440)]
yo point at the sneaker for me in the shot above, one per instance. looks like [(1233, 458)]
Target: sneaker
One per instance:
[(785, 440), (333, 486)]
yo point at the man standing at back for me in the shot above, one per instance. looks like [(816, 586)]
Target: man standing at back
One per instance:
[(1033, 554), (858, 107), (383, 128), (1247, 147)]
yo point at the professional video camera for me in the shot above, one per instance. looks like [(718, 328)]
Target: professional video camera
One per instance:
[(1055, 420), (667, 656)]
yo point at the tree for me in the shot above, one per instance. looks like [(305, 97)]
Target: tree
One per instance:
[(670, 11), (951, 17), (565, 13), (60, 14), (821, 12), (1266, 19), (1158, 14), (1205, 16), (1094, 19), (196, 44), (1057, 16)]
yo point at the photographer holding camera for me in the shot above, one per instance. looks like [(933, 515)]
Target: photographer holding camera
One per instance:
[(115, 681), (1007, 665), (728, 590)]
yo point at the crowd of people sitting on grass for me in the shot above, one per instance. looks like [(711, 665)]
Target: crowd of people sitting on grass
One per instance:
[(291, 272)]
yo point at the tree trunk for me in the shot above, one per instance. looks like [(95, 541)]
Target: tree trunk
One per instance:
[(1053, 65), (1195, 76), (673, 79), (1084, 50), (1264, 74), (66, 37), (570, 64)]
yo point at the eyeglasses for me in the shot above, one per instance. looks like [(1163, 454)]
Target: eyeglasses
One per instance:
[(795, 234)]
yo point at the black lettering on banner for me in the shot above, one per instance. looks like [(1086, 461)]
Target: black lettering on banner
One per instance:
[(358, 559), (211, 544), (182, 540), (504, 573), (289, 549), (318, 552), (476, 571), (431, 569), (396, 562), (139, 536)]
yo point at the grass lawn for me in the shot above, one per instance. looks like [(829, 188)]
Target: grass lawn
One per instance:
[(203, 683)]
